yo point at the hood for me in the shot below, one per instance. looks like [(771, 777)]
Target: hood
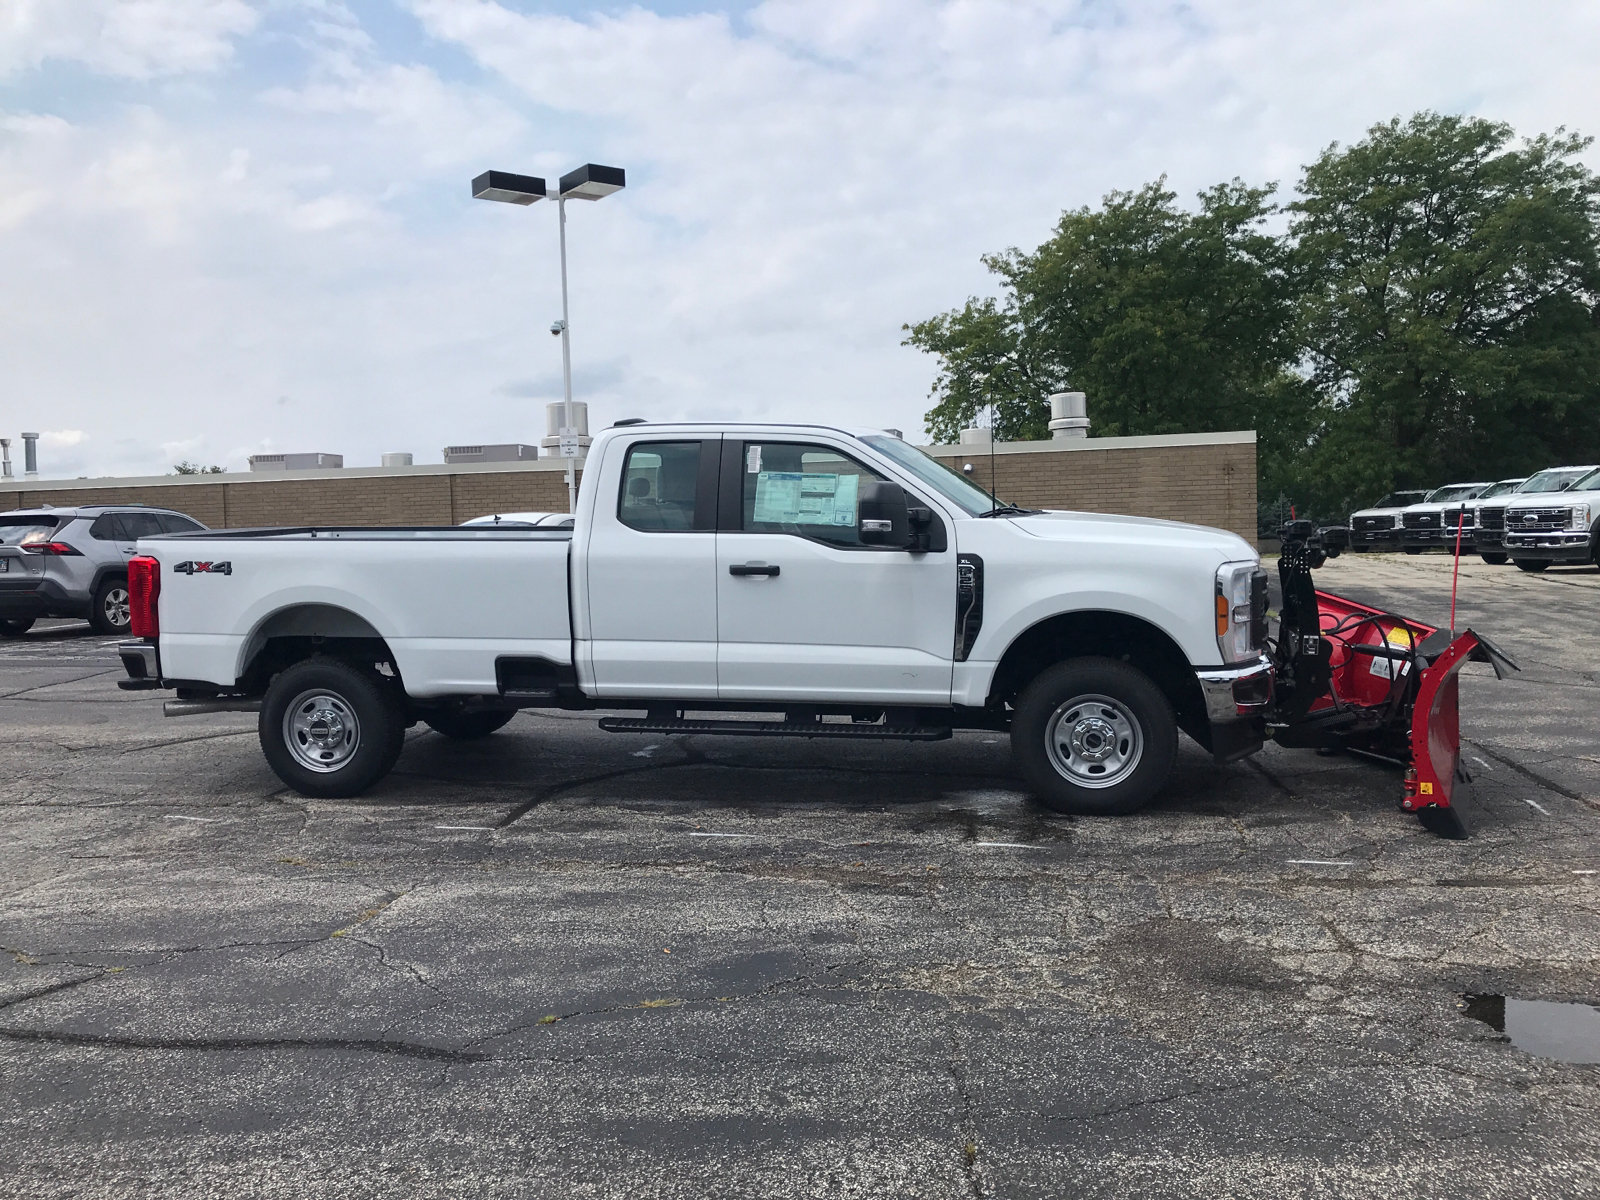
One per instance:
[(1150, 531)]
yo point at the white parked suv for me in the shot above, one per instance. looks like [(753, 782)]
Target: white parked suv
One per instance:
[(840, 582), (1560, 527)]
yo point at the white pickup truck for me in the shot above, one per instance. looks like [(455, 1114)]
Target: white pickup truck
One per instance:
[(783, 580)]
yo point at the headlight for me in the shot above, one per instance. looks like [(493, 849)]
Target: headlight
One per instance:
[(1241, 610), (1580, 516), (1396, 521)]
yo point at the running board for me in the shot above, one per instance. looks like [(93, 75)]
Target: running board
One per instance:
[(802, 729)]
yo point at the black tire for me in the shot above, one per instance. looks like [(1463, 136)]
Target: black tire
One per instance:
[(108, 611), (15, 626), (468, 726), (1412, 549), (348, 765), (1126, 700), (1495, 560), (1531, 564)]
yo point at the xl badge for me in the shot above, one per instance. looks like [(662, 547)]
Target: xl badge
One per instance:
[(204, 568)]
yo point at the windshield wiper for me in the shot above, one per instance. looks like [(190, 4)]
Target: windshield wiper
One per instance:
[(1010, 510)]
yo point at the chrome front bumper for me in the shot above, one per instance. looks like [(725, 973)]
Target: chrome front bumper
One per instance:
[(1236, 693)]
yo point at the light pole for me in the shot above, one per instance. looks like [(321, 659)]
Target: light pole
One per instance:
[(588, 182)]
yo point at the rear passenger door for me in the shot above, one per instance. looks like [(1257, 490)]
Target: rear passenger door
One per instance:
[(136, 525), (651, 583)]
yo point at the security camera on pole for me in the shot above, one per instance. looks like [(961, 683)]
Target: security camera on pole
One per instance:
[(588, 182)]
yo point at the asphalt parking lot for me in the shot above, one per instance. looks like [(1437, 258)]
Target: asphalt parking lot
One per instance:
[(568, 963)]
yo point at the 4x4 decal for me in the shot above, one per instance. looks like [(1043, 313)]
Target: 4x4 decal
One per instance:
[(204, 568)]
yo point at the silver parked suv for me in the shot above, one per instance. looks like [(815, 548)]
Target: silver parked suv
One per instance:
[(73, 562)]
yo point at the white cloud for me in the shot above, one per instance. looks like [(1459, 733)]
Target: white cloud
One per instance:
[(292, 260), (136, 39), (61, 439)]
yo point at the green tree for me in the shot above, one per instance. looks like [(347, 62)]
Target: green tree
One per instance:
[(188, 468), (1449, 314), (1171, 321)]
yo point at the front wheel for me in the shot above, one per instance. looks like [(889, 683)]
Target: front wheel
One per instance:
[(329, 730), (468, 726), (110, 612), (1531, 564), (1495, 560), (1094, 736), (15, 626)]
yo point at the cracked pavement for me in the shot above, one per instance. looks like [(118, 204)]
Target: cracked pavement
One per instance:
[(560, 962)]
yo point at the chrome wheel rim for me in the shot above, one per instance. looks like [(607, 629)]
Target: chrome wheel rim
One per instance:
[(116, 606), (1094, 741), (321, 730)]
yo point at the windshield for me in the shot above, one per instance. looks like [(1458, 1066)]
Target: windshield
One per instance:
[(1399, 499), (1501, 488), (1456, 491), (953, 487), (1589, 483), (1556, 479), (19, 530)]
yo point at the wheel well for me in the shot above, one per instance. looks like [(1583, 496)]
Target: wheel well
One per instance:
[(1129, 639), (304, 631)]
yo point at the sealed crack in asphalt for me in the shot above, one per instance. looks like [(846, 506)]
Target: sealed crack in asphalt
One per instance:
[(367, 1045), (1534, 776)]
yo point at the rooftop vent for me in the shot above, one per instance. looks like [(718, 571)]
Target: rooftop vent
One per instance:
[(504, 452)]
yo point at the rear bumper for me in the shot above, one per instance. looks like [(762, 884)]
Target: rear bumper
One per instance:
[(142, 661), (1236, 698), (1563, 546), (38, 597)]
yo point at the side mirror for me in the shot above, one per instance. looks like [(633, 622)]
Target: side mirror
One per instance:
[(884, 519)]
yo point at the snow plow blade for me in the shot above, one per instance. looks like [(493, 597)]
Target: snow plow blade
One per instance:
[(1436, 733), (1353, 677)]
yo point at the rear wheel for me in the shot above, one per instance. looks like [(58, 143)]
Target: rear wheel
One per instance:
[(1495, 560), (330, 730), (467, 726), (1531, 564), (109, 611), (1094, 736), (15, 626)]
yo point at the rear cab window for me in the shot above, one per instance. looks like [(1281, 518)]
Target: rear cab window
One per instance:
[(669, 487)]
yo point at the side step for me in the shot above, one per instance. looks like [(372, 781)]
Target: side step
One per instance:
[(802, 729)]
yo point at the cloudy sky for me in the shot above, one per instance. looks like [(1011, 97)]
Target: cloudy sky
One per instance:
[(230, 226)]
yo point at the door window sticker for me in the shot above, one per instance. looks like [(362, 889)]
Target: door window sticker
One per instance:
[(752, 460), (805, 498)]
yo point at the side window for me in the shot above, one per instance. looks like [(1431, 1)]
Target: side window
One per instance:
[(172, 523), (140, 525), (659, 482), (107, 528), (809, 490)]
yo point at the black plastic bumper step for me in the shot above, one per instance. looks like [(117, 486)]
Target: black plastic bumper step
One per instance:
[(803, 729)]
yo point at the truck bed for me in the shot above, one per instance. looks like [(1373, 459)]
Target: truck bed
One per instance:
[(448, 601)]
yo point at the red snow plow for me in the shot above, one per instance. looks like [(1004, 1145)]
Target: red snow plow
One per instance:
[(1357, 678)]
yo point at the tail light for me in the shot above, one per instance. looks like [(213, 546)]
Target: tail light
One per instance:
[(144, 589), (57, 548)]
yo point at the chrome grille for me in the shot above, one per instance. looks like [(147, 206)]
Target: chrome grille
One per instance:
[(1368, 524), (1421, 520), (1492, 518), (1538, 520)]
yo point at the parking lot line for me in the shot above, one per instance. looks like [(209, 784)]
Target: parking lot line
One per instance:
[(1318, 862), (732, 835), (1010, 845), (203, 820), (1536, 806), (467, 828)]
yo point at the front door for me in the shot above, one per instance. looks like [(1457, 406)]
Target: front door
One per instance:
[(651, 587), (804, 610)]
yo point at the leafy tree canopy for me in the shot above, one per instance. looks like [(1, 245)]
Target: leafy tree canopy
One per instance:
[(1430, 314)]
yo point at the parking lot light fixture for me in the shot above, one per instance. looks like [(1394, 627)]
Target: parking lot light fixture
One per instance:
[(592, 181), (508, 188)]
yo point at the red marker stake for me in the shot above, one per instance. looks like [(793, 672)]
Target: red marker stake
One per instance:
[(1456, 574)]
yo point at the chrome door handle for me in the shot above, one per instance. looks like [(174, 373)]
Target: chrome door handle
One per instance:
[(753, 569)]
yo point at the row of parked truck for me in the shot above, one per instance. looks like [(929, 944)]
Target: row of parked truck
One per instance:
[(1548, 517)]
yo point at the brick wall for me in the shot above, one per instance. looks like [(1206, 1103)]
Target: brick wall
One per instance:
[(1205, 484), (1207, 479)]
